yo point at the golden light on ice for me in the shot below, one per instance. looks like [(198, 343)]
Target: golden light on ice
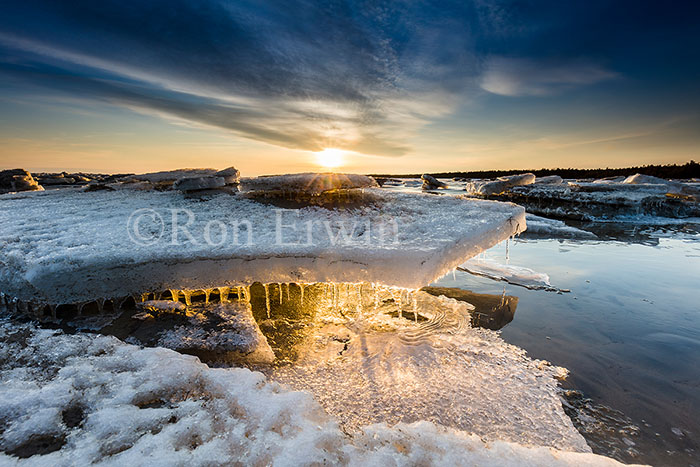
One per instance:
[(329, 158)]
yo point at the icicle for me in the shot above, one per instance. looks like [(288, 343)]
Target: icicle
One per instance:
[(188, 297), (267, 299), (376, 297), (280, 289), (158, 296), (53, 310), (175, 295), (398, 302), (246, 294), (207, 292), (223, 294), (100, 305), (287, 287), (507, 250), (415, 306), (81, 306), (301, 290), (144, 297), (239, 292), (334, 296), (454, 274)]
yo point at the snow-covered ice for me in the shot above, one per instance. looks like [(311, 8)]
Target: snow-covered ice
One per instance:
[(68, 247), (82, 399)]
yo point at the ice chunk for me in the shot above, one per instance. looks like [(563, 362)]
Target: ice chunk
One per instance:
[(306, 183), (172, 175), (500, 185), (432, 183), (516, 275), (199, 183), (550, 180), (231, 175), (551, 228), (70, 247), (224, 332), (640, 179)]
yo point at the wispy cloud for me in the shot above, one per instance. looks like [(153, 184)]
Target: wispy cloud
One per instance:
[(291, 73), (527, 77)]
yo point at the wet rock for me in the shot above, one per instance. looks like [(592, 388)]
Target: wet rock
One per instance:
[(97, 187), (432, 183), (56, 180), (14, 180)]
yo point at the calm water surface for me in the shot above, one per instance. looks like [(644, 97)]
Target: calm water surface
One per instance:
[(629, 332)]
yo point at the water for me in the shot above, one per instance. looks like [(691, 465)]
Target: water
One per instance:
[(629, 332)]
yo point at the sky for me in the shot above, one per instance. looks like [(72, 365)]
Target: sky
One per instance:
[(353, 86)]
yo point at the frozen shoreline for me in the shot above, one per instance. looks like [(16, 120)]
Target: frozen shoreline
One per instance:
[(133, 405)]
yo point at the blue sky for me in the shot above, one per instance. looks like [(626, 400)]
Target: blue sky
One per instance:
[(398, 86)]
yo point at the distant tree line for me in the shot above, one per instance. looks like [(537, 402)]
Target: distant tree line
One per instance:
[(688, 170)]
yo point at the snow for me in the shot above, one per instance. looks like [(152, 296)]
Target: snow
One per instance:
[(308, 183), (516, 275), (68, 246), (141, 406)]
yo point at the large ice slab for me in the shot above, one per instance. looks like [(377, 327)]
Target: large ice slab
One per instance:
[(67, 247)]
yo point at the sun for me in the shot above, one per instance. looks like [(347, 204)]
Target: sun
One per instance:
[(329, 158)]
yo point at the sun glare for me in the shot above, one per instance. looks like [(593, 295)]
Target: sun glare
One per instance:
[(329, 158)]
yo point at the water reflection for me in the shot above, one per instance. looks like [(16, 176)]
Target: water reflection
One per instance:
[(490, 311)]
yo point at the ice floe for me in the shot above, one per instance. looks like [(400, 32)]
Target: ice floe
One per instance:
[(84, 399), (70, 247), (552, 228), (516, 275)]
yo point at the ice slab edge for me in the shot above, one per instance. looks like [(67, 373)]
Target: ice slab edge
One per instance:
[(458, 229)]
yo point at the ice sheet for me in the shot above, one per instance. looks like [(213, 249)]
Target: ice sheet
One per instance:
[(67, 247), (105, 402)]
